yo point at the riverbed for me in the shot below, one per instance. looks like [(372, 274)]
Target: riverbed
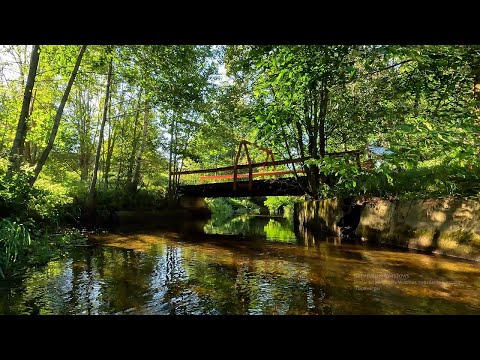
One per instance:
[(245, 265)]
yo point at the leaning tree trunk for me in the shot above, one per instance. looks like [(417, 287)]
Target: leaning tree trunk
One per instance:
[(58, 117), (136, 176), (92, 194), (19, 141)]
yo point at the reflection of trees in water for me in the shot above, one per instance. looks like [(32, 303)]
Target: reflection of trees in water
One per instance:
[(43, 291), (224, 278), (95, 280), (228, 226), (174, 281), (288, 294), (277, 229), (313, 237), (280, 231), (126, 279), (206, 287), (241, 285)]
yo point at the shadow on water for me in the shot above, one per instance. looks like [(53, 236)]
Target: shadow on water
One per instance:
[(244, 265)]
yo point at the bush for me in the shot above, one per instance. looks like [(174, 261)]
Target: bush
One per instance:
[(46, 203), (14, 195), (14, 239), (227, 207), (428, 179)]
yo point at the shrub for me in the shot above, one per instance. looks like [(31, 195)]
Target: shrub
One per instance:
[(14, 239)]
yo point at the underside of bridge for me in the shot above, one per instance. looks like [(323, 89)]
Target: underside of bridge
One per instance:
[(274, 187)]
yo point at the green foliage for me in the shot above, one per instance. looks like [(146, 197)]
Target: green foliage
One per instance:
[(47, 246), (14, 239), (415, 100), (110, 200), (21, 244), (425, 179), (227, 207), (281, 203), (46, 203), (243, 206), (220, 207)]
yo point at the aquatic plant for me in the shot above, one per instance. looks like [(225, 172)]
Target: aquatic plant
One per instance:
[(14, 238)]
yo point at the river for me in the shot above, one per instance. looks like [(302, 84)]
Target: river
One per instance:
[(244, 265)]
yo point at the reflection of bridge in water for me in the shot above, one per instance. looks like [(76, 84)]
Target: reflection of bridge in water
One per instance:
[(274, 186)]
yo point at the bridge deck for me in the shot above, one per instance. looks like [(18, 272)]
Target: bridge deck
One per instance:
[(274, 187)]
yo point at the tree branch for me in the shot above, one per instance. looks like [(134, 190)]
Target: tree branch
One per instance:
[(389, 67)]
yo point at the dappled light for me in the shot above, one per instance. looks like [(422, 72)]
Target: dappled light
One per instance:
[(239, 179)]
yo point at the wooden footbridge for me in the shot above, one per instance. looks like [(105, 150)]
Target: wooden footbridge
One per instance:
[(276, 186)]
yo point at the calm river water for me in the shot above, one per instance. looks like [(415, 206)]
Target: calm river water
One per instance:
[(245, 265)]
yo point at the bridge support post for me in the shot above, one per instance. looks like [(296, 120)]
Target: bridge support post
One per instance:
[(250, 172), (235, 164)]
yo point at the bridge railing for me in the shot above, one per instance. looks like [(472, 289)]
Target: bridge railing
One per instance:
[(235, 175)]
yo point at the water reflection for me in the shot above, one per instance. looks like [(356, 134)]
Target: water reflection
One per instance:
[(159, 272), (273, 228)]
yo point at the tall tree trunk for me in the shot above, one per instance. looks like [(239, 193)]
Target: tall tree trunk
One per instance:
[(136, 176), (83, 127), (19, 141), (27, 151), (92, 194), (178, 169), (83, 166), (322, 135), (121, 157), (108, 160), (58, 117), (170, 158), (322, 116), (131, 161), (111, 136)]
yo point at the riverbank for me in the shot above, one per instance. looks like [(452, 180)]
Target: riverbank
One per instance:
[(447, 226)]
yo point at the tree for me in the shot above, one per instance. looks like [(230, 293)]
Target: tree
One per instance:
[(17, 149), (58, 116), (136, 176), (91, 200)]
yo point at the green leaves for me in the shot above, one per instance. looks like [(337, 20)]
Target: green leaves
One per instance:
[(14, 238), (428, 125)]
